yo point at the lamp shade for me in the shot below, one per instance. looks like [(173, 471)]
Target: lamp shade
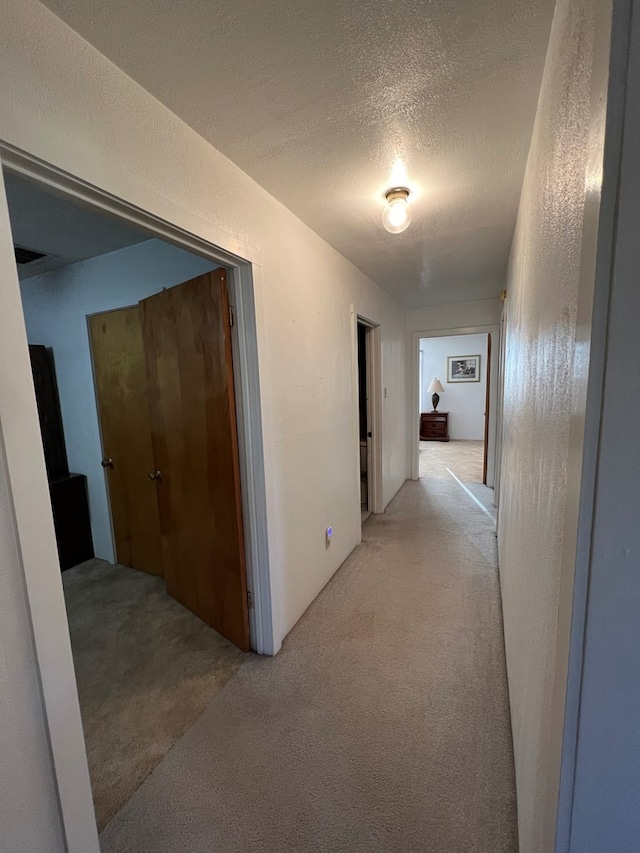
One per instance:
[(435, 387)]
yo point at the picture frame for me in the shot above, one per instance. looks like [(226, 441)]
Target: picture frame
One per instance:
[(463, 368)]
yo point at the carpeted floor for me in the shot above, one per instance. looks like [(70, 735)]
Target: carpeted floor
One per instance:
[(146, 669), (381, 727), (464, 458)]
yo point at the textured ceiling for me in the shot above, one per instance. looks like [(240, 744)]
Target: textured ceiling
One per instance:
[(65, 232), (326, 104)]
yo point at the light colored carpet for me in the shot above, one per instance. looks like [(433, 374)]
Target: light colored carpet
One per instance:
[(381, 727), (146, 669), (485, 497), (464, 458)]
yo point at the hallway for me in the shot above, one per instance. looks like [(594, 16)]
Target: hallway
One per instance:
[(383, 723)]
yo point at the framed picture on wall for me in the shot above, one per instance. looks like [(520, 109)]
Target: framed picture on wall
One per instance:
[(463, 368)]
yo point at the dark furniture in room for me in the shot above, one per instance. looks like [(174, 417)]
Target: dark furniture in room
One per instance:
[(71, 519), (434, 426), (69, 500), (46, 387)]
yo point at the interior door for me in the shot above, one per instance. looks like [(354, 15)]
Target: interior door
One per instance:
[(191, 394), (120, 372)]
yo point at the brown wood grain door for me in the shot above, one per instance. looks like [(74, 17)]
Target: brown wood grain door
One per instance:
[(120, 372), (188, 347)]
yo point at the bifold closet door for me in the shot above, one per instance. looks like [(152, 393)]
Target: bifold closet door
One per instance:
[(120, 372), (187, 341)]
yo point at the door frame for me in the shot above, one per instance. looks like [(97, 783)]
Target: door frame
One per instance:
[(374, 407), (487, 412), (502, 348), (414, 395), (29, 489)]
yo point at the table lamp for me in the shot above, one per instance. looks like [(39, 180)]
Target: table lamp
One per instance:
[(435, 389)]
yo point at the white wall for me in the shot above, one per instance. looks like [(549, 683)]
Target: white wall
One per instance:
[(29, 818), (465, 401), (64, 103), (547, 353), (600, 793), (56, 306), (30, 796), (307, 288), (440, 318)]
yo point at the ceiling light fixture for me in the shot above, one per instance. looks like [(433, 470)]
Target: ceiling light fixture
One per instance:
[(396, 215)]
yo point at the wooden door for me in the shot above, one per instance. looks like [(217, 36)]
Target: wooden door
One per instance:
[(188, 348), (120, 372)]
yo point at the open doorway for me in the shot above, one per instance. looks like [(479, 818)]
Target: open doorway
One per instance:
[(364, 420), (369, 415), (146, 665), (454, 405)]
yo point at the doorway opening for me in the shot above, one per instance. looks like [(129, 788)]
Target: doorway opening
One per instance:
[(136, 363), (364, 421), (369, 415), (455, 374)]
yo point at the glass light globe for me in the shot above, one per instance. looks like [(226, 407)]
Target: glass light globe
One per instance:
[(397, 212)]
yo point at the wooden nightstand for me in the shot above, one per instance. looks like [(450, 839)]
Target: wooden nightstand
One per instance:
[(434, 426)]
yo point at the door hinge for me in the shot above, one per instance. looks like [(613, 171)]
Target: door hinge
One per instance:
[(232, 316), (249, 600)]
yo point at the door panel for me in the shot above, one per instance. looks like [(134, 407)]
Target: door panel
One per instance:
[(191, 394), (120, 372)]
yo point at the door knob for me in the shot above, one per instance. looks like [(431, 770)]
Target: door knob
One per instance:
[(107, 462), (155, 476)]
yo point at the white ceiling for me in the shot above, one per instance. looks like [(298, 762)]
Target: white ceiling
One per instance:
[(64, 231), (328, 103)]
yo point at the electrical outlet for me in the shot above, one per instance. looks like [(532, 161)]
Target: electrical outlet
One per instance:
[(328, 534)]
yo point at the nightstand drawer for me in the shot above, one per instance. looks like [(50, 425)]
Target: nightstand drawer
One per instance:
[(435, 429)]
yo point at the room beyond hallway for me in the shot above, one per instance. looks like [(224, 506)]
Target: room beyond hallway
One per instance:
[(383, 723), (464, 458), (146, 668)]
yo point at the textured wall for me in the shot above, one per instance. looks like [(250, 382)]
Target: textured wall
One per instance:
[(605, 804), (63, 102), (56, 306), (544, 399), (484, 312), (67, 104), (465, 401)]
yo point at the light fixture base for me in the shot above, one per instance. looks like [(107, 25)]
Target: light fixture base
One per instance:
[(397, 192)]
